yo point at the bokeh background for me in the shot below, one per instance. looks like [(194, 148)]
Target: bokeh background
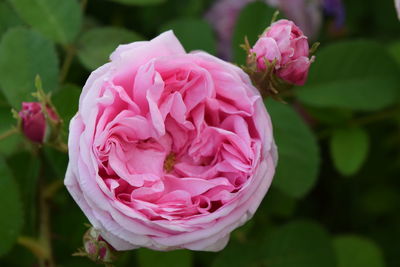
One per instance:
[(335, 198)]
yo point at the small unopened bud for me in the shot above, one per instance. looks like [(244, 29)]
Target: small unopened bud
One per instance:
[(96, 248), (280, 57), (35, 121)]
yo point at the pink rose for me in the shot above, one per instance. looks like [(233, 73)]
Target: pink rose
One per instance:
[(169, 149), (33, 121), (284, 42)]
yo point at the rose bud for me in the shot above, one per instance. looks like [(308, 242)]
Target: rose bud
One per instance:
[(223, 15), (33, 121), (169, 150), (284, 48), (96, 248)]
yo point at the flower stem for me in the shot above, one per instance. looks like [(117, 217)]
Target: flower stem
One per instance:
[(70, 52), (383, 115), (34, 246), (60, 146), (52, 188), (8, 133), (44, 229), (44, 219), (368, 119), (84, 5), (69, 56), (63, 147)]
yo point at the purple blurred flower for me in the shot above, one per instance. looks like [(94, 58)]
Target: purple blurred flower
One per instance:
[(306, 14), (335, 9), (397, 4), (223, 15)]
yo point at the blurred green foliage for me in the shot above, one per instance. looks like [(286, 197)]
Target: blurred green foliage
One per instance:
[(335, 198), (23, 55), (93, 55), (298, 166), (352, 75)]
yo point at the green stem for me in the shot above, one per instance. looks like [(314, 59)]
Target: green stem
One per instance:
[(60, 146), (44, 220), (386, 114), (8, 133), (33, 246), (84, 5), (52, 188), (63, 147), (70, 52), (69, 56), (45, 230), (375, 117)]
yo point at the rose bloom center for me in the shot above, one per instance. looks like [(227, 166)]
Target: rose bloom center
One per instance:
[(176, 139)]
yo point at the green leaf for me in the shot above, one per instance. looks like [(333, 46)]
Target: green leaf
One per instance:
[(368, 93), (167, 11), (278, 204), (394, 50), (239, 255), (10, 144), (59, 20), (194, 34), (79, 262), (67, 94), (330, 116), (96, 45), (379, 200), (69, 231), (23, 55), (3, 100), (8, 18), (58, 161), (297, 244), (27, 178), (139, 2), (19, 256), (10, 209), (358, 75), (300, 244), (354, 251), (298, 160), (252, 21), (176, 258), (349, 149), (384, 18)]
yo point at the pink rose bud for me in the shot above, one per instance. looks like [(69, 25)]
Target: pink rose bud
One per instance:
[(285, 47), (33, 121), (96, 248)]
